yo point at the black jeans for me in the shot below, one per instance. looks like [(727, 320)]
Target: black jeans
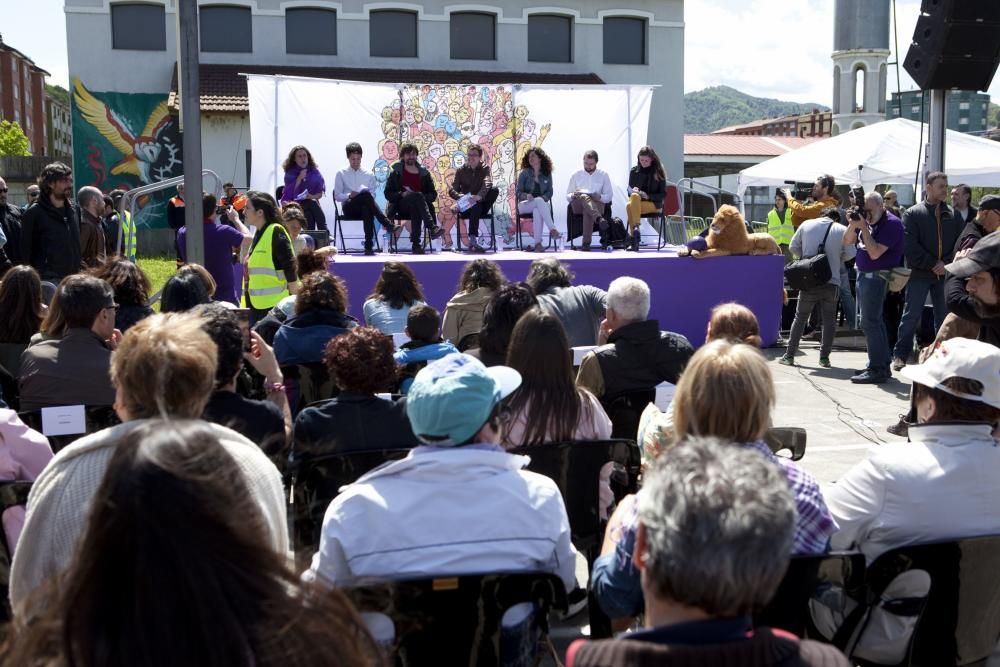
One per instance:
[(413, 207), (315, 218), (473, 214), (363, 206)]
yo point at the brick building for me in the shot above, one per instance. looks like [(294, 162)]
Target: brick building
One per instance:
[(22, 95)]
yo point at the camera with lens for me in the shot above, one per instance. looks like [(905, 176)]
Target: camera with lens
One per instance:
[(858, 194), (800, 191)]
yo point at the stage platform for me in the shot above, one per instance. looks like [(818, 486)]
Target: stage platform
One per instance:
[(684, 290)]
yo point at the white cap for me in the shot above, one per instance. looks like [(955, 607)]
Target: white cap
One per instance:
[(963, 358)]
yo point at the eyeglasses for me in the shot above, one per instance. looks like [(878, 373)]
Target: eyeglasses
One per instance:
[(4, 189)]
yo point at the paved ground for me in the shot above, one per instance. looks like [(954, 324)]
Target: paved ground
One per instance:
[(842, 419)]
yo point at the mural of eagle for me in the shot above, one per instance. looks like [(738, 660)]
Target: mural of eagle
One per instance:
[(153, 155)]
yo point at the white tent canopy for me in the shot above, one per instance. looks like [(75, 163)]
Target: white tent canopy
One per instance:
[(888, 151)]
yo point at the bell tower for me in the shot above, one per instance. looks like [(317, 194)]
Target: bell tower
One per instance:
[(860, 53)]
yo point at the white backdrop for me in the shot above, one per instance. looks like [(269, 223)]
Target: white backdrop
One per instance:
[(443, 120)]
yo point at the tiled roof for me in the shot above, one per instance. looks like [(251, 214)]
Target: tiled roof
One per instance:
[(224, 89), (727, 144)]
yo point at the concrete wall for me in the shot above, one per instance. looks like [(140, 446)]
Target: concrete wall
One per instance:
[(102, 68)]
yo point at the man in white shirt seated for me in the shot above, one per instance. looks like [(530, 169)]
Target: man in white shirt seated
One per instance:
[(458, 505), (943, 483), (588, 191), (353, 188)]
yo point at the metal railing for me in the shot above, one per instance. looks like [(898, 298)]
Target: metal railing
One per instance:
[(707, 191), (127, 201)]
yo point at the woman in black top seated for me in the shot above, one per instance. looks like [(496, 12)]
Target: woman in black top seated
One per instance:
[(131, 286), (647, 185), (361, 363)]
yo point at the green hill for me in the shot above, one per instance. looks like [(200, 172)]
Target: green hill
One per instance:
[(721, 106)]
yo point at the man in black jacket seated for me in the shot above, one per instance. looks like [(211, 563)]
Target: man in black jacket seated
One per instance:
[(362, 365), (715, 523), (637, 356), (410, 192)]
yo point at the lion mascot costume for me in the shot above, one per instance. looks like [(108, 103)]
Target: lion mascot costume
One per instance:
[(727, 235)]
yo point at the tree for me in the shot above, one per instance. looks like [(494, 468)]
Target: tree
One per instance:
[(13, 141)]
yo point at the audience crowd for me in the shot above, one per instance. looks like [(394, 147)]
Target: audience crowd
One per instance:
[(212, 413)]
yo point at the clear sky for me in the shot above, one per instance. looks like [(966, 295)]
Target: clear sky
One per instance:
[(768, 48)]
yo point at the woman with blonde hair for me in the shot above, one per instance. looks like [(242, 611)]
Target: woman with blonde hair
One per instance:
[(726, 392)]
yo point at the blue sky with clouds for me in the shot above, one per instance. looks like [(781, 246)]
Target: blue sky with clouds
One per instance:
[(769, 48)]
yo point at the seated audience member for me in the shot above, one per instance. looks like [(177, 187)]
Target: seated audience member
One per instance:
[(548, 407), (170, 485), (184, 291), (131, 286), (24, 453), (267, 326), (459, 505), (395, 292), (726, 392), (21, 305), (502, 312), (473, 179), (580, 308), (463, 316), (635, 354), (708, 563), (354, 188), (735, 322), (425, 344), (219, 238), (72, 369), (320, 315), (361, 363), (938, 486), (266, 423), (164, 367), (294, 220)]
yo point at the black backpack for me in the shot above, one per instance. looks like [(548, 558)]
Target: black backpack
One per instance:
[(615, 235), (811, 272)]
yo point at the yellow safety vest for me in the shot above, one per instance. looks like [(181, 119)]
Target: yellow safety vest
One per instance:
[(128, 237), (267, 284), (780, 230)]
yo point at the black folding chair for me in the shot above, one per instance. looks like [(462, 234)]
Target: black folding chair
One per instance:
[(789, 607), (575, 468), (959, 623), (487, 215), (314, 481), (12, 494), (339, 231), (787, 438), (457, 620), (574, 223), (626, 409), (97, 418)]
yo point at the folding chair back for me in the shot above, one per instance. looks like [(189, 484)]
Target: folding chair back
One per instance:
[(97, 418), (625, 411), (12, 494)]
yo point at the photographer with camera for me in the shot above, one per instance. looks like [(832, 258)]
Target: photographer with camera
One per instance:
[(932, 231), (821, 198), (879, 238)]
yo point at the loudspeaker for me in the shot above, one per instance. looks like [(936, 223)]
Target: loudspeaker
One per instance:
[(956, 44)]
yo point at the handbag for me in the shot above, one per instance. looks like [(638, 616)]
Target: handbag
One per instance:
[(808, 273)]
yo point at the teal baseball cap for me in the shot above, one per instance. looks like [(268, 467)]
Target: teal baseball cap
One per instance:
[(451, 398)]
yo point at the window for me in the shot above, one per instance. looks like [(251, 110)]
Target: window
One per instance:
[(138, 27), (550, 38), (473, 36), (963, 106), (392, 34), (915, 109), (624, 41), (17, 91), (311, 30), (225, 29), (963, 121)]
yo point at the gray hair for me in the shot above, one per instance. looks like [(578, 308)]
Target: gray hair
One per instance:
[(87, 194), (629, 298), (874, 197), (718, 521)]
